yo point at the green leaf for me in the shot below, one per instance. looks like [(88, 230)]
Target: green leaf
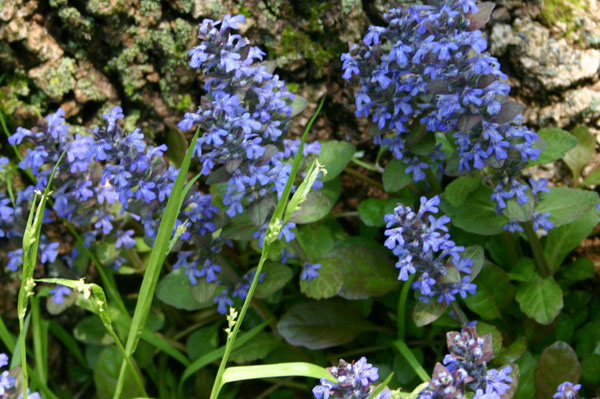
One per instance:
[(334, 156), (526, 389), (276, 277), (204, 292), (458, 190), (513, 352), (90, 330), (367, 271), (587, 338), (296, 369), (202, 341), (519, 212), (566, 204), (591, 368), (593, 178), (395, 177), (522, 270), (318, 203), (176, 146), (298, 105), (494, 293), (560, 241), (581, 269), (315, 239), (258, 348), (106, 373), (475, 253), (558, 363), (514, 384), (321, 324), (477, 214), (427, 313), (329, 281), (174, 289), (241, 228), (403, 371), (579, 156), (372, 210), (558, 142), (540, 299)]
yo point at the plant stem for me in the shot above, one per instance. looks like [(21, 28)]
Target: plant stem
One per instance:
[(509, 245), (401, 316), (536, 248), (459, 313), (367, 165), (362, 177)]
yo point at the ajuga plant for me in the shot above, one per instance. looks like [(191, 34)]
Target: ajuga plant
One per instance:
[(252, 207)]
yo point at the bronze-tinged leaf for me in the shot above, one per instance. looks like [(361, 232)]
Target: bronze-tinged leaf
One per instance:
[(508, 112), (480, 18)]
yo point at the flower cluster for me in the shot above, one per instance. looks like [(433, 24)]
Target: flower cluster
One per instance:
[(354, 381), (567, 390), (244, 113), (423, 246), (8, 382), (429, 65), (466, 366)]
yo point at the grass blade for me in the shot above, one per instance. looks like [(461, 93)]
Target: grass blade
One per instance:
[(412, 361), (300, 369), (155, 262)]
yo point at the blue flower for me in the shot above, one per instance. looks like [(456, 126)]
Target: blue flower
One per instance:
[(309, 271), (58, 294), (567, 390), (124, 239), (223, 301)]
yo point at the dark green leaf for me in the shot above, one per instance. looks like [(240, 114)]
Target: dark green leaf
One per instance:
[(318, 203), (426, 313), (174, 289), (321, 324), (90, 330), (395, 177), (522, 270), (513, 352), (558, 142), (558, 363), (202, 341), (373, 210), (257, 348), (329, 281), (107, 253), (367, 271), (579, 156), (403, 371), (591, 368), (494, 293), (526, 389), (475, 253), (540, 299), (477, 214), (519, 212), (566, 204), (241, 228), (562, 240), (106, 374), (276, 277), (581, 269), (457, 191), (176, 146), (587, 338), (334, 156)]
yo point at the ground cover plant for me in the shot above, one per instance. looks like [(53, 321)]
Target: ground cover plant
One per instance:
[(146, 275)]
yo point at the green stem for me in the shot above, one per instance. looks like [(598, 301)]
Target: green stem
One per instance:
[(367, 165), (411, 360), (231, 338), (511, 248), (459, 313), (23, 345), (402, 314), (366, 179), (536, 248)]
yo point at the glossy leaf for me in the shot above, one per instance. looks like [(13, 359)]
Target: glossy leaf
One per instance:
[(457, 191), (494, 293), (276, 277), (427, 313), (558, 142), (334, 156), (540, 299), (395, 177), (329, 281), (372, 210), (174, 289), (321, 324), (558, 363), (566, 205)]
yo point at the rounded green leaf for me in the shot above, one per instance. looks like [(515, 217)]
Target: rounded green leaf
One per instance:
[(106, 374), (395, 177), (174, 289), (494, 293), (276, 277), (566, 204), (372, 210), (558, 142), (90, 330), (329, 281), (582, 153), (321, 324), (427, 313), (457, 191), (318, 203), (540, 299), (335, 155)]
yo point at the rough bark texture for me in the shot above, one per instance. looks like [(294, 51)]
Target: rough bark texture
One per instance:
[(87, 56)]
